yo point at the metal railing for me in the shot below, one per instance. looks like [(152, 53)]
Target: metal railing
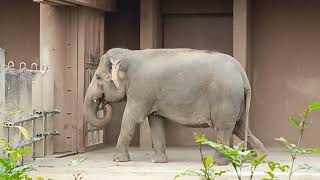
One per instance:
[(25, 100)]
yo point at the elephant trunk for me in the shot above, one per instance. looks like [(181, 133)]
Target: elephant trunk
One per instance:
[(93, 98)]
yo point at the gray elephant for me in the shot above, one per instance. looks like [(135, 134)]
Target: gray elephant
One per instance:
[(194, 88)]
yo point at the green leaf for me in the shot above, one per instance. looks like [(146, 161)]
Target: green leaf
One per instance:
[(283, 141), (295, 122), (208, 162), (314, 106), (310, 151), (219, 173), (3, 143), (200, 139), (272, 165), (283, 168), (259, 160), (270, 174), (76, 162)]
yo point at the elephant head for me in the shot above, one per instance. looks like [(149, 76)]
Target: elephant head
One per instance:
[(108, 85)]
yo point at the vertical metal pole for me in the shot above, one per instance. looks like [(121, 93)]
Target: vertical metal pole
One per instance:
[(2, 95), (8, 137), (45, 137), (33, 144), (21, 139)]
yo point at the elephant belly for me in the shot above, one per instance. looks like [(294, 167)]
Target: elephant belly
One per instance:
[(194, 113)]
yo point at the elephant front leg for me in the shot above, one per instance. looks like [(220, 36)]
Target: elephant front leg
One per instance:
[(124, 139), (158, 139), (131, 116)]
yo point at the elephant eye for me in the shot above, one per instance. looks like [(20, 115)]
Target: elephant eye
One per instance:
[(94, 100)]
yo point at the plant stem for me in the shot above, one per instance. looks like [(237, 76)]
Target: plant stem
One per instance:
[(294, 155), (238, 175), (240, 169), (206, 175), (252, 172)]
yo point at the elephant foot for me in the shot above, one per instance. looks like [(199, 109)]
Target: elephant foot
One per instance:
[(121, 157), (221, 161), (159, 158)]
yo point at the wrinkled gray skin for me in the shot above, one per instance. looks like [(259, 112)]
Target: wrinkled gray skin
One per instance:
[(191, 87)]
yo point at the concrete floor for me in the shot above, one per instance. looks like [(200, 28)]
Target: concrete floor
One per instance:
[(99, 166)]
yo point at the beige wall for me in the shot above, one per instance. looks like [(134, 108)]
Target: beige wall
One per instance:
[(19, 30), (285, 56)]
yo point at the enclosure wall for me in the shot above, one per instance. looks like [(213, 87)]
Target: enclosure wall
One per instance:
[(285, 57), (19, 32)]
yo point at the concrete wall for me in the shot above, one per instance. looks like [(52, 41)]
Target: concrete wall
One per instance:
[(285, 56), (19, 32)]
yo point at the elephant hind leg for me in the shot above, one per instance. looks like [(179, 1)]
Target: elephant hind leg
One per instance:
[(253, 142), (224, 136), (158, 139)]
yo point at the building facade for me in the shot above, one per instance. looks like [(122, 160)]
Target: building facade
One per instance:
[(277, 42)]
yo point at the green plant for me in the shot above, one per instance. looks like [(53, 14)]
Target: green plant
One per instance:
[(272, 167), (10, 165), (238, 156), (208, 172), (301, 122), (76, 174)]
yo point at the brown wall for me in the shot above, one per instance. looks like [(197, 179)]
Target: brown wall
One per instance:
[(206, 25), (122, 30), (285, 56), (19, 32)]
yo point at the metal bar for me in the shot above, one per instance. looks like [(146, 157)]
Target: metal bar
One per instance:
[(28, 142), (33, 145), (21, 140), (45, 134), (55, 111), (36, 138), (34, 116), (21, 120), (92, 130), (89, 65), (44, 128)]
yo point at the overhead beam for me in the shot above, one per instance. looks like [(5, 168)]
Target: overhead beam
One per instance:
[(105, 5)]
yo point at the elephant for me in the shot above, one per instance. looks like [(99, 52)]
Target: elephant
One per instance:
[(195, 88)]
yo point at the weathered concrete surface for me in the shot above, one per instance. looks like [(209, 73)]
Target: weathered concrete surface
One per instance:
[(99, 166)]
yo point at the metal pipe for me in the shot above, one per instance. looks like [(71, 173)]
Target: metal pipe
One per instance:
[(21, 120), (28, 142), (33, 144), (36, 138), (32, 117), (44, 128), (92, 130), (21, 140)]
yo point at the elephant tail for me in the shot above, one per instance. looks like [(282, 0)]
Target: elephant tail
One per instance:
[(245, 116)]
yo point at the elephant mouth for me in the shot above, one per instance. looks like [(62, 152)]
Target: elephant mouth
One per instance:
[(98, 112)]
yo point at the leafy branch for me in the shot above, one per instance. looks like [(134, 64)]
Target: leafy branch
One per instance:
[(301, 123)]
